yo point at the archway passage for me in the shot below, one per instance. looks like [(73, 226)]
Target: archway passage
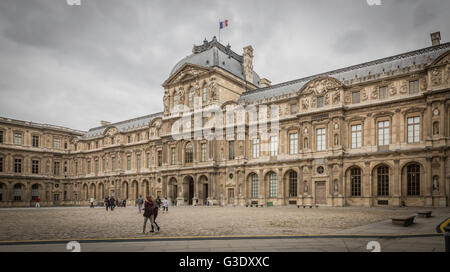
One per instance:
[(191, 190)]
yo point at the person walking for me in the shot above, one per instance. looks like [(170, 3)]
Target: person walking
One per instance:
[(92, 202), (112, 203), (37, 202), (155, 213), (124, 203), (165, 205), (107, 202), (149, 214), (140, 201)]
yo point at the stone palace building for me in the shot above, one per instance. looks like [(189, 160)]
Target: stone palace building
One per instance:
[(372, 134)]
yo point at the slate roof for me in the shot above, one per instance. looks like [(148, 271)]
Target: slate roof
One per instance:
[(416, 58), (123, 126), (212, 54)]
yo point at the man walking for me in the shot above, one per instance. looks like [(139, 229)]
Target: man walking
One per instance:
[(112, 203), (107, 202), (92, 202), (140, 201)]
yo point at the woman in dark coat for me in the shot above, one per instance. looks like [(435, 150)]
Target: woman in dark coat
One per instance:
[(149, 214)]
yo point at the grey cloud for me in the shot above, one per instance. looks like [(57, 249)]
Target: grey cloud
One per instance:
[(106, 60)]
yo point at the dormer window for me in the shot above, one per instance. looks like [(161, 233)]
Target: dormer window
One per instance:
[(191, 98), (383, 93), (320, 102)]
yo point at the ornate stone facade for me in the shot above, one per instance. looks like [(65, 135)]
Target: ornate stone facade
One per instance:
[(366, 135)]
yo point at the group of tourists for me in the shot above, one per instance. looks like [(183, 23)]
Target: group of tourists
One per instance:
[(110, 203)]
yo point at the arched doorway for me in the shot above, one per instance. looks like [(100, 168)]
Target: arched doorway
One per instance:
[(173, 190), (93, 191), (204, 185), (135, 187), (101, 191), (188, 184), (145, 188), (85, 192), (125, 190)]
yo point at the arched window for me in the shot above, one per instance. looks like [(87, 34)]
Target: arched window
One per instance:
[(34, 191), (292, 184), (191, 98), (273, 185), (413, 179), (18, 192), (255, 185), (355, 181), (189, 156), (383, 180)]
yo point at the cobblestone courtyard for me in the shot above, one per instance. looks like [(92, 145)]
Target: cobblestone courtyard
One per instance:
[(84, 222)]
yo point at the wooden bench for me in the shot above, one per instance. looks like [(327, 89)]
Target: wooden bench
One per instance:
[(425, 214), (403, 221)]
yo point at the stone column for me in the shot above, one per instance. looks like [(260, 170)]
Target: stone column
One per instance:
[(428, 190), (262, 189), (367, 184)]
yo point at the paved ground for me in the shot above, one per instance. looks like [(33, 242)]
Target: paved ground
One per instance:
[(223, 229), (82, 222), (424, 244)]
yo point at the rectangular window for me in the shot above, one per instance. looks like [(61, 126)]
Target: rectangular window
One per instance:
[(413, 129), (1, 164), (128, 162), (56, 143), (175, 101), (138, 137), (231, 150), (293, 108), (35, 166), (203, 153), (414, 87), (138, 162), (1, 136), (18, 138), (273, 185), (320, 102), (274, 146), (17, 165), (76, 168), (172, 155), (355, 97), (56, 168), (383, 92), (356, 136), (89, 167), (321, 139), (129, 139), (35, 141), (159, 158), (383, 133), (293, 143), (255, 148), (96, 166), (113, 163), (148, 160)]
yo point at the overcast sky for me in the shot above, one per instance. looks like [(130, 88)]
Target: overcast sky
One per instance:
[(106, 59)]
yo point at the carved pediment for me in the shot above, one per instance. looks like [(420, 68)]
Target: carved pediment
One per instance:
[(186, 73), (111, 131), (321, 86)]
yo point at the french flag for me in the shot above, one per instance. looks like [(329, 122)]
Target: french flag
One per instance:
[(223, 24)]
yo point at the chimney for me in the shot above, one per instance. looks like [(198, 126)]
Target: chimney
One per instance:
[(265, 83), (105, 123), (435, 38), (248, 63)]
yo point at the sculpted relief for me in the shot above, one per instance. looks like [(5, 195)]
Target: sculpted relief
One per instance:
[(328, 88), (436, 77)]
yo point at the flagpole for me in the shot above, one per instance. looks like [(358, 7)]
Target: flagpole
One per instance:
[(219, 29)]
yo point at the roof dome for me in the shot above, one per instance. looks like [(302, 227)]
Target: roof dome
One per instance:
[(213, 53)]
